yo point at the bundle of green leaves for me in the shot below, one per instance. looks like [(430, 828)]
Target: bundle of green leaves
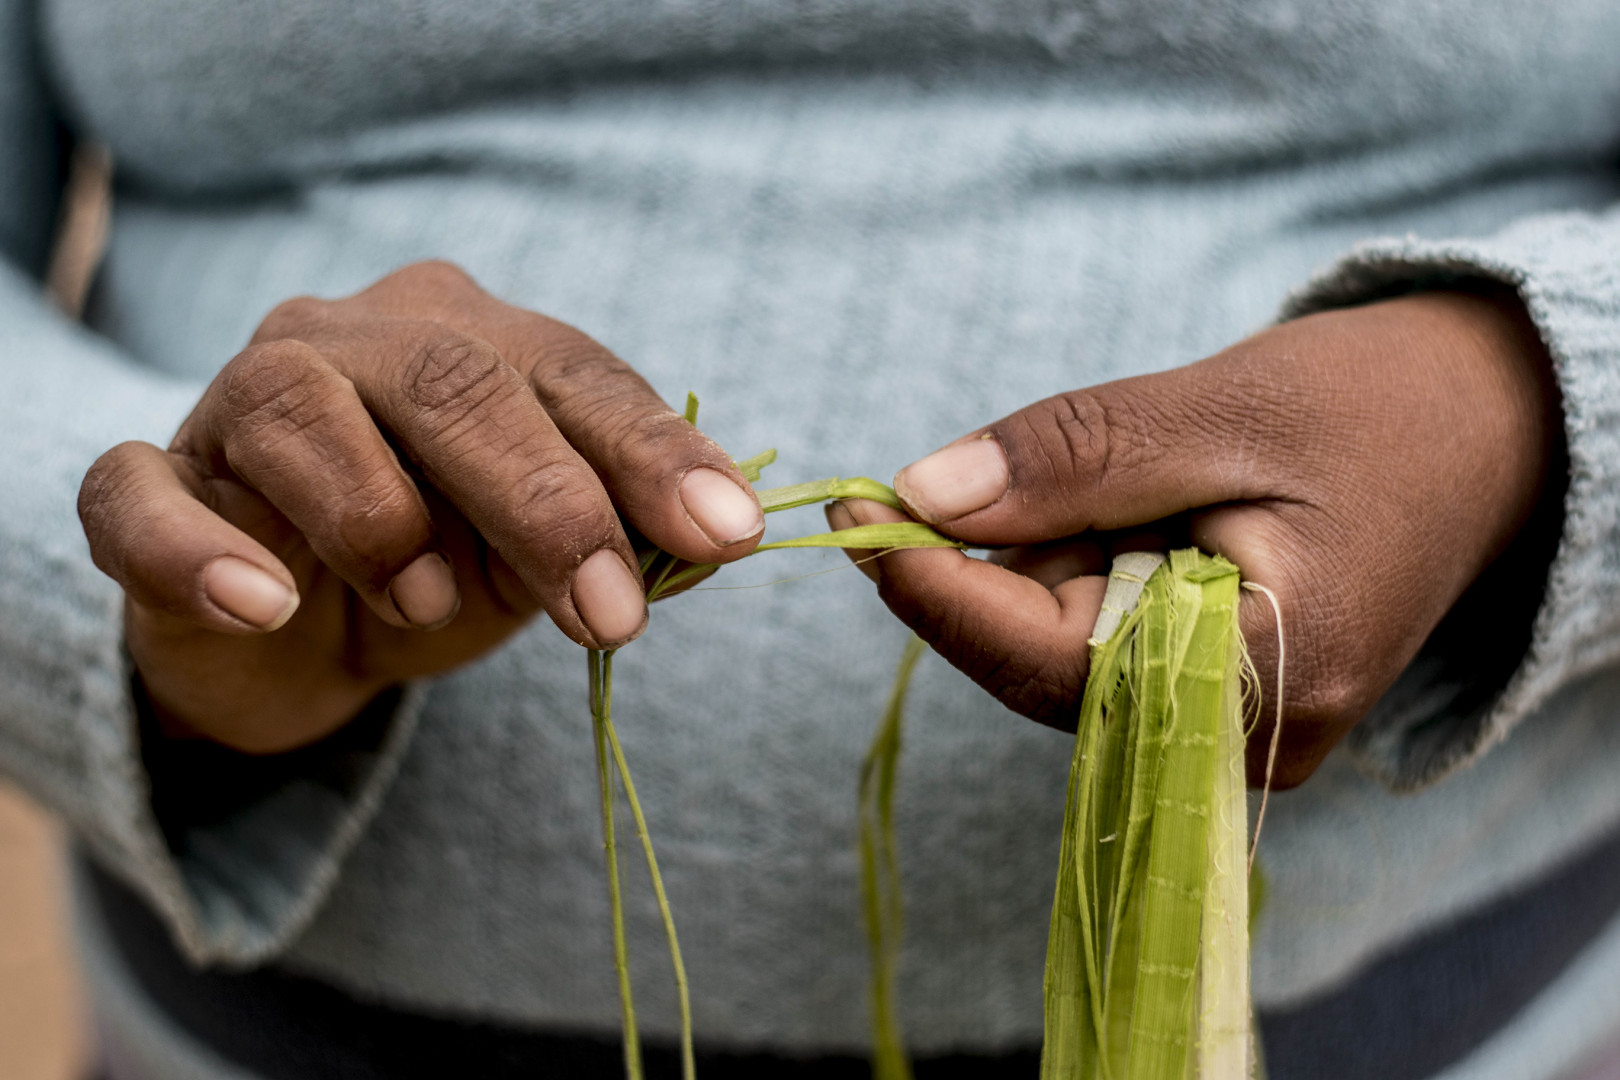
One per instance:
[(1147, 970), (1147, 967), (666, 575)]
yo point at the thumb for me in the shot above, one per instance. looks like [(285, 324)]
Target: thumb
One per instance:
[(1110, 457)]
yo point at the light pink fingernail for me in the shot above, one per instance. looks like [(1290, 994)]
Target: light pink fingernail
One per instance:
[(839, 517), (609, 599), (425, 592), (243, 590), (725, 512), (954, 481)]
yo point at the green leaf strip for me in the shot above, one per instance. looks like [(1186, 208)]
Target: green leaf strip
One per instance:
[(885, 537), (601, 676), (688, 1060), (610, 758), (750, 467), (1147, 957), (881, 902), (814, 491)]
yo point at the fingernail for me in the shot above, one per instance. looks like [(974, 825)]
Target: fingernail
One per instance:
[(725, 512), (249, 593), (867, 512), (954, 481), (840, 516), (609, 599), (425, 592)]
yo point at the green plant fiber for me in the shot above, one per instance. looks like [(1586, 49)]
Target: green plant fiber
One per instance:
[(1147, 955), (665, 574), (881, 904)]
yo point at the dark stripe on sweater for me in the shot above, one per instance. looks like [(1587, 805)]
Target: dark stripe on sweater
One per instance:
[(287, 1027), (1432, 1002), (1405, 1017)]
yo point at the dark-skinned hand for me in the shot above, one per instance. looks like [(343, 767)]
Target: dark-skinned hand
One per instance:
[(386, 486), (1365, 464)]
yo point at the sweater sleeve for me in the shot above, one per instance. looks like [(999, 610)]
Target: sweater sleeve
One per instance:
[(236, 883), (1496, 659)]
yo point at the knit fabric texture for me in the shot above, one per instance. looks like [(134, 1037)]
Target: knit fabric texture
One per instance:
[(857, 229)]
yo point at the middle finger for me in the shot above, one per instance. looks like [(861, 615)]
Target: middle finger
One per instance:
[(470, 423)]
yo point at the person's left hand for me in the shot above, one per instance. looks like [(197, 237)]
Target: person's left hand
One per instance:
[(1365, 464)]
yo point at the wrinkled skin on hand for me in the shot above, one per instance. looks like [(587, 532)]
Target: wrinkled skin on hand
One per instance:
[(386, 486), (1365, 464)]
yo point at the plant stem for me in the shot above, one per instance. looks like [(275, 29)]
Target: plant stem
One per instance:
[(688, 1064), (881, 901), (878, 849), (601, 672)]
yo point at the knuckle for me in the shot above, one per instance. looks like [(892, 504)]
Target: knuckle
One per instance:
[(378, 518), (107, 486), (1082, 423), (433, 275), (564, 503), (268, 380), (453, 374), (652, 442), (1094, 436), (1326, 690), (270, 393), (573, 357), (1085, 431), (1126, 423), (572, 371), (1072, 437), (292, 318)]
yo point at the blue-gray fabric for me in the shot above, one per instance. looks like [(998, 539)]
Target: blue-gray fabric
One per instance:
[(857, 229)]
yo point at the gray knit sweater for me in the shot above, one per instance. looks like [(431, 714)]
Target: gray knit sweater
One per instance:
[(857, 228)]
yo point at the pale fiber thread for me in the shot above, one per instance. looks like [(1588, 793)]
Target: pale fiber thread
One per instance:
[(1276, 729)]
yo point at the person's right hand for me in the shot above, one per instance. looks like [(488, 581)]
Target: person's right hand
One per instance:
[(383, 487)]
